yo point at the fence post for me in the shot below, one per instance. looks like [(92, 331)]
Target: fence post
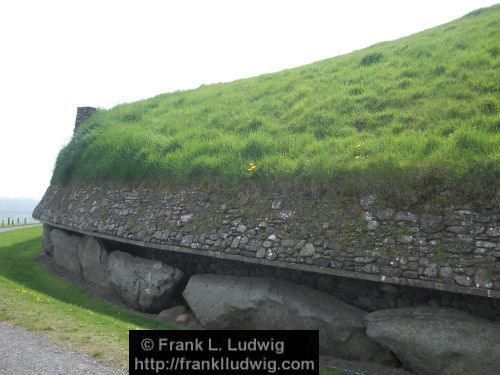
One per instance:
[(8, 221)]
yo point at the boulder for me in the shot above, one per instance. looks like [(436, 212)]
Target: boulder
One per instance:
[(48, 246), (437, 340), (145, 284), (66, 248), (232, 302), (94, 262)]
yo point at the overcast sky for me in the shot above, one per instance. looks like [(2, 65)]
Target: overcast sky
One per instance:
[(58, 55)]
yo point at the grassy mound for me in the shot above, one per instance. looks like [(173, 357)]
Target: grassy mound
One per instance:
[(417, 114)]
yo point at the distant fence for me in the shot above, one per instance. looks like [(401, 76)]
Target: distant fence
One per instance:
[(11, 221)]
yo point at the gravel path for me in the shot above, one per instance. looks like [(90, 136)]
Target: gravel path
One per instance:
[(8, 229), (23, 353)]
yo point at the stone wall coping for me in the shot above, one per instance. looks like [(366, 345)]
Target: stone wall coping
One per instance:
[(482, 292)]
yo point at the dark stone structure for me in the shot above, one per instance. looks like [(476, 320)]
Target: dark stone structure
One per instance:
[(451, 248), (83, 114)]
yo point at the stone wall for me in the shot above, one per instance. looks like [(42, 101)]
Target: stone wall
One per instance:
[(433, 244), (366, 295), (82, 114)]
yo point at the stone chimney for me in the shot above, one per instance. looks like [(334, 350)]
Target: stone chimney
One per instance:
[(82, 114)]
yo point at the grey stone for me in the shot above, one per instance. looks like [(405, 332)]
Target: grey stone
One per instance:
[(463, 280), (385, 214), (456, 229), (232, 302), (94, 262), (446, 272), (169, 315), (187, 240), (437, 340), (458, 248), (368, 216), (267, 244), (405, 239), (372, 225), (236, 242), (272, 237), (186, 218), (486, 244), (145, 284), (332, 244), (493, 232), (481, 250), (254, 245), (261, 253), (431, 270), (271, 254), (410, 274), (420, 241), (390, 271), (241, 228), (406, 216), (308, 250), (431, 223), (371, 268), (365, 259), (66, 248), (285, 214), (368, 201)]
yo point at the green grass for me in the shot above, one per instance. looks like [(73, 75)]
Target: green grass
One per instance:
[(34, 299), (423, 109)]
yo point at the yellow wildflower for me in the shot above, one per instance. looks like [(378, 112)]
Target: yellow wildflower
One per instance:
[(357, 157), (358, 146), (251, 167)]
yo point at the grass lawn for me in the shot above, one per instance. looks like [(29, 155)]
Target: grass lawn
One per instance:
[(35, 300), (419, 114)]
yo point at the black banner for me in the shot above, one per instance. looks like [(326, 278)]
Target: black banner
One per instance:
[(224, 352)]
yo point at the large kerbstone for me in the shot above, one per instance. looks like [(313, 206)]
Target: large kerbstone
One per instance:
[(94, 262), (147, 285), (66, 248), (434, 340), (232, 302)]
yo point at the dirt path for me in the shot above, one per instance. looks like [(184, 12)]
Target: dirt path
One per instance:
[(23, 353)]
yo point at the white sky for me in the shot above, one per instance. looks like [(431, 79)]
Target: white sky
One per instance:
[(57, 55)]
